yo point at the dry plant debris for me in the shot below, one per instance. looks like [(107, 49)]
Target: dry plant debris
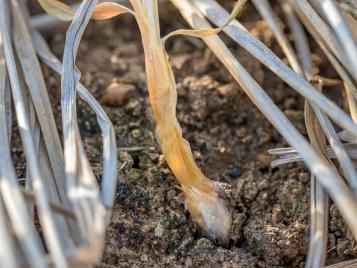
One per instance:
[(88, 206)]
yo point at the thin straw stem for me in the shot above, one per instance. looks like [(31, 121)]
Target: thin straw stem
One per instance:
[(237, 32), (326, 175), (28, 142), (266, 12)]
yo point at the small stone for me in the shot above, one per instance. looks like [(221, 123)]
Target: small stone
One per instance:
[(136, 133), (247, 139), (263, 184), (134, 107), (251, 191), (116, 94), (144, 257), (170, 195), (188, 262), (304, 177), (227, 90), (234, 171), (159, 230), (263, 158)]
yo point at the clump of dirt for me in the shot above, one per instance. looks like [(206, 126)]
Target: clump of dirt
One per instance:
[(229, 139)]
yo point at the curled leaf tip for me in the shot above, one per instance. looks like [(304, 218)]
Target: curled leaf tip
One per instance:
[(102, 11), (200, 33), (107, 10)]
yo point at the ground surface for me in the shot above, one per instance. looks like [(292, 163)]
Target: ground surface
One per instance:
[(229, 138)]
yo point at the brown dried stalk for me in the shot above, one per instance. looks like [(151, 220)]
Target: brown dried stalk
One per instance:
[(204, 199)]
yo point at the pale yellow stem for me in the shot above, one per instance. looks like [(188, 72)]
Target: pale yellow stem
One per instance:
[(203, 198)]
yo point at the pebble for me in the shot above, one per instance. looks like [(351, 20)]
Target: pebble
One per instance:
[(234, 171), (263, 184), (159, 230), (264, 159), (116, 94), (304, 177), (227, 90), (251, 191), (171, 194)]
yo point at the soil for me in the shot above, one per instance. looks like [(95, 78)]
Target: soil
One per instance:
[(229, 139)]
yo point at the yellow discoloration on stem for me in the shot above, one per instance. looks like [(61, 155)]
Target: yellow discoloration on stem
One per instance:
[(201, 195)]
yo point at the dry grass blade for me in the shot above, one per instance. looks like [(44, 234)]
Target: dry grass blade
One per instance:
[(327, 127), (88, 203), (290, 155), (102, 11), (200, 33), (266, 12), (299, 36), (351, 102), (318, 225), (60, 215), (70, 215), (318, 199), (341, 29), (317, 123), (14, 205), (8, 107), (326, 47), (345, 264), (327, 175), (349, 6), (80, 180), (326, 35), (109, 142), (236, 10), (235, 30), (345, 162), (194, 33), (317, 247), (7, 246), (35, 82), (107, 10), (29, 148)]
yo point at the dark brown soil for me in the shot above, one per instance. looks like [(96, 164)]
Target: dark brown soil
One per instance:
[(229, 138)]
